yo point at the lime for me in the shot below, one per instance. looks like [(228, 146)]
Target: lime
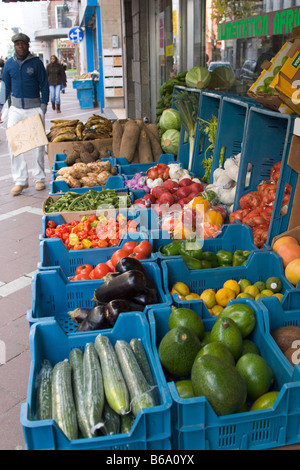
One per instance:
[(244, 283), (279, 296), (259, 296), (260, 285), (276, 70), (266, 400), (270, 91), (268, 80), (274, 284), (244, 295), (252, 290), (256, 373), (284, 59), (262, 89), (267, 293), (185, 389), (188, 318)]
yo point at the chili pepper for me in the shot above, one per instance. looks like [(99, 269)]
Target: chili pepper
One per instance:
[(171, 249), (86, 243), (211, 257), (224, 258), (192, 263), (192, 249), (240, 257)]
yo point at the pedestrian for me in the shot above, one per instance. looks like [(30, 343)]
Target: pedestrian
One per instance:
[(26, 88), (57, 78), (64, 66)]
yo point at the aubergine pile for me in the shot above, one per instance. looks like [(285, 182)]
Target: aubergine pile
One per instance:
[(129, 288)]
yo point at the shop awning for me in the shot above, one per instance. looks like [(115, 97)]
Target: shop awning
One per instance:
[(46, 34)]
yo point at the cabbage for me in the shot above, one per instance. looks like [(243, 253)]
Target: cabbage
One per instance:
[(197, 77), (170, 141), (222, 78), (170, 119)]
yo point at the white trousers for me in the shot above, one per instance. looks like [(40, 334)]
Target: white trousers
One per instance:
[(19, 169)]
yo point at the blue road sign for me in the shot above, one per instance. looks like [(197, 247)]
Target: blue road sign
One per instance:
[(76, 35)]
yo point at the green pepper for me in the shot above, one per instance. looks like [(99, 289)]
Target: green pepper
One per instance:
[(211, 257), (206, 264), (240, 257), (192, 249), (172, 249), (225, 258), (192, 263)]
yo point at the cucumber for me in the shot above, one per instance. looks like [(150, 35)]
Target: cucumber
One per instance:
[(76, 361), (141, 357), (127, 422), (139, 389), (116, 391), (63, 406), (92, 386), (111, 421), (43, 395)]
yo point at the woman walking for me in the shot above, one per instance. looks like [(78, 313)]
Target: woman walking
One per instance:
[(56, 78)]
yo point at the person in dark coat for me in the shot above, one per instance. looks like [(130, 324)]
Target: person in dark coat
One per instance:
[(57, 78)]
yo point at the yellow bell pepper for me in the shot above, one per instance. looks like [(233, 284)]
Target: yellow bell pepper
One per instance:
[(86, 243), (213, 217), (73, 239)]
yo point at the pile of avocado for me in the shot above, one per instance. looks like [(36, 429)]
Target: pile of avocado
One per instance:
[(222, 364)]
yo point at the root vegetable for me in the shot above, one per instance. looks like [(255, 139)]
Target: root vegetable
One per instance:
[(129, 140), (117, 138), (144, 148)]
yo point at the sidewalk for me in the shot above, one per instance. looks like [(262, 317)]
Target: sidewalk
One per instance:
[(21, 223)]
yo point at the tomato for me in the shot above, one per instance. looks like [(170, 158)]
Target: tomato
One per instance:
[(110, 265), (92, 274), (83, 269), (144, 247), (118, 255), (137, 255), (81, 277), (129, 246), (100, 270)]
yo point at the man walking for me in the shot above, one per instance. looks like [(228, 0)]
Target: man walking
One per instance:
[(26, 83)]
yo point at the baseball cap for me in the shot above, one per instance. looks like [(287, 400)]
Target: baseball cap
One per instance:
[(20, 37)]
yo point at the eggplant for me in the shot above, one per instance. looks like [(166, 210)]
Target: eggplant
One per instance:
[(117, 306), (146, 298), (127, 264), (79, 314), (125, 286), (95, 320), (109, 276)]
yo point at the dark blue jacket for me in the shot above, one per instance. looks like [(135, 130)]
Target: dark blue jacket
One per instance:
[(26, 81)]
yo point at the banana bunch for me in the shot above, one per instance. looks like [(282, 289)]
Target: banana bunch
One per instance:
[(96, 127)]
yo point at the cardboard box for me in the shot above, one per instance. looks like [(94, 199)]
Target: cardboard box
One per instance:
[(26, 135), (53, 148)]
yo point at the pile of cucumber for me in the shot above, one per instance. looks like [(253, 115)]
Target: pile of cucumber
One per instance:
[(97, 392)]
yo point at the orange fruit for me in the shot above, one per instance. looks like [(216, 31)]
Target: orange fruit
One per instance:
[(288, 252), (283, 241), (292, 271)]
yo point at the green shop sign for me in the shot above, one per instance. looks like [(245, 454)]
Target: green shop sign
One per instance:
[(275, 22)]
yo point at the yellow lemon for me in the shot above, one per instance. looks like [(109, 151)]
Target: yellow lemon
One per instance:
[(252, 290), (209, 298), (192, 296), (174, 291), (233, 285), (279, 296), (182, 288), (267, 292), (216, 309), (224, 295)]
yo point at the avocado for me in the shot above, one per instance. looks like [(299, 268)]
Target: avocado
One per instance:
[(177, 350), (217, 349), (227, 332), (188, 318), (243, 315), (221, 384)]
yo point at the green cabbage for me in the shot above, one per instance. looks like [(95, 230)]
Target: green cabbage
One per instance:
[(222, 78), (170, 141), (170, 119), (197, 77)]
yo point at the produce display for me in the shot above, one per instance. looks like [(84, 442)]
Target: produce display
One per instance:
[(90, 200), (222, 364), (91, 231), (80, 175), (166, 93), (288, 249), (96, 127), (98, 391)]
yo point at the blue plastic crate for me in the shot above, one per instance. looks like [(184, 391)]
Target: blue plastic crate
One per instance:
[(59, 161), (113, 182), (195, 425), (48, 304), (151, 429), (267, 141), (53, 254), (261, 266), (233, 237), (128, 170)]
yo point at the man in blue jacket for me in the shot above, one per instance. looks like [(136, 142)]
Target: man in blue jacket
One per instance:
[(26, 83)]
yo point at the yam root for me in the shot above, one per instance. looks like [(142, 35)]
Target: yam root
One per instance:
[(129, 140), (117, 137), (157, 151), (144, 148)]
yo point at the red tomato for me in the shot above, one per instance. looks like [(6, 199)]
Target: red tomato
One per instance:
[(110, 265), (118, 255), (83, 269), (81, 277), (92, 274), (137, 255), (129, 246), (100, 270), (144, 247)]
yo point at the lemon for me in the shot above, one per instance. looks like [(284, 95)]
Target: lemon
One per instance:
[(181, 288), (216, 309), (274, 284), (259, 296), (244, 295), (224, 295), (267, 292), (244, 283), (174, 291), (252, 290), (209, 298), (192, 296), (231, 284), (279, 296), (260, 285), (266, 400)]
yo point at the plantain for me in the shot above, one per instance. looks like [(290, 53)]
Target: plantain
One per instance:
[(78, 130), (66, 123), (67, 136)]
